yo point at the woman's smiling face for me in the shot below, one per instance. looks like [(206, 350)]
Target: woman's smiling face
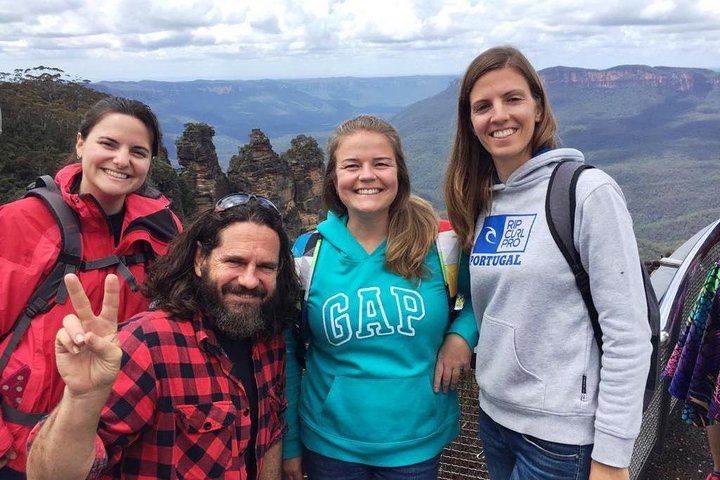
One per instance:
[(115, 158), (504, 114), (366, 177)]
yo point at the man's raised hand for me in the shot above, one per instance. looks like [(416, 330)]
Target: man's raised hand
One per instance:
[(86, 348)]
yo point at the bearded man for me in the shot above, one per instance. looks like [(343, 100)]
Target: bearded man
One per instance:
[(193, 388)]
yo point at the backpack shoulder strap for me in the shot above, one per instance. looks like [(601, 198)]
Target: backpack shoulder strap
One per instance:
[(305, 251), (69, 258), (560, 204), (68, 222), (561, 220), (52, 288), (121, 264)]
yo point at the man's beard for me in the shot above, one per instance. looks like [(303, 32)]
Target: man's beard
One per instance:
[(240, 320)]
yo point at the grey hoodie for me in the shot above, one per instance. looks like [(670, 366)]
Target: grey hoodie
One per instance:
[(538, 366)]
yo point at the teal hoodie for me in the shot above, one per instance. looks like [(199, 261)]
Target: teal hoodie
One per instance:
[(366, 394)]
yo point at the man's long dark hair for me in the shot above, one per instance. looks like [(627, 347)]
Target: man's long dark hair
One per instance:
[(173, 286)]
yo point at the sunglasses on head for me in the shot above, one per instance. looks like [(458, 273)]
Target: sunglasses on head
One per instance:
[(235, 199)]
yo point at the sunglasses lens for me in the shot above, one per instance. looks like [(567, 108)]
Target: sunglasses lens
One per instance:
[(236, 199), (231, 201), (266, 203)]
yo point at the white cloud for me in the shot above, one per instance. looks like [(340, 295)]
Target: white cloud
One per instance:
[(659, 8), (711, 7), (377, 20), (134, 39)]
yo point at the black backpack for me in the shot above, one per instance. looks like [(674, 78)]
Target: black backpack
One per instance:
[(51, 291), (560, 206)]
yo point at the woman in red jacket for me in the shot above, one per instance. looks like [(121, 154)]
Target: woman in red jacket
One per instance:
[(119, 215)]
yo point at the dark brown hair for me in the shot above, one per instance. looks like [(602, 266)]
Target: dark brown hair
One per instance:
[(125, 106), (173, 285)]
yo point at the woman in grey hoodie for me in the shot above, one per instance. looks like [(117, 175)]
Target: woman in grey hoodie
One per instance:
[(551, 407)]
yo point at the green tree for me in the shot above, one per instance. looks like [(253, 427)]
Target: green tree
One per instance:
[(41, 110), (173, 185)]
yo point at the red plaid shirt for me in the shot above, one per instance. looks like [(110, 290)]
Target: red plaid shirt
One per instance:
[(176, 411)]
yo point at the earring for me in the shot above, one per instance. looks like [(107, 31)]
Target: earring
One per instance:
[(79, 157)]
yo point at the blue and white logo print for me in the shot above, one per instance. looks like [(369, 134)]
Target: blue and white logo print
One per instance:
[(502, 235)]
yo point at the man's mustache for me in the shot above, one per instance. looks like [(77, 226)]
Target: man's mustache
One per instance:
[(235, 289)]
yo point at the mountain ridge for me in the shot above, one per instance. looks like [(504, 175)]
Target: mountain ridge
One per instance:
[(654, 129)]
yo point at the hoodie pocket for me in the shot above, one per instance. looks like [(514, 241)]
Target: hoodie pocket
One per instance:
[(500, 372), (384, 410)]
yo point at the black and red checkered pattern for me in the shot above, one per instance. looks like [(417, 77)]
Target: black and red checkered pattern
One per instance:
[(176, 411)]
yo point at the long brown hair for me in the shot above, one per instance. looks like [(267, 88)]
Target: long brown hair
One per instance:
[(470, 171), (412, 226), (173, 285)]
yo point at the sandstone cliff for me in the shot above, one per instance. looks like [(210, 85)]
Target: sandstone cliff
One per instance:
[(693, 80), (293, 180), (305, 159), (196, 153)]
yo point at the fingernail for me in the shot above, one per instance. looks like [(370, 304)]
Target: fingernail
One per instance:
[(75, 349), (79, 338)]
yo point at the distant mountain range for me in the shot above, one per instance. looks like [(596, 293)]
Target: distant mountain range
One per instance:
[(282, 109), (656, 130)]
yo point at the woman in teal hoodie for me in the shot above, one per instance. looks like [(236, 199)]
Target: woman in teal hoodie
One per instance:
[(376, 399)]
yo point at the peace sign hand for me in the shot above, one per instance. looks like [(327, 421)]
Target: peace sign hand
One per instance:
[(86, 348)]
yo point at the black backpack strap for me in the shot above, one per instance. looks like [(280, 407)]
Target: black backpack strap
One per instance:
[(122, 263), (561, 219), (654, 320), (310, 245), (560, 203), (305, 268), (44, 181), (13, 415), (309, 252), (51, 290), (69, 259)]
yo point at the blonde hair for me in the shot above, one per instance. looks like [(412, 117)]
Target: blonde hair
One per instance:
[(412, 227), (470, 170)]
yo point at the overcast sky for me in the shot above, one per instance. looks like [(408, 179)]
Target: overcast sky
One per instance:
[(241, 39)]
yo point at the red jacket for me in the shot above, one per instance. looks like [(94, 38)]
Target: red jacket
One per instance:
[(29, 246)]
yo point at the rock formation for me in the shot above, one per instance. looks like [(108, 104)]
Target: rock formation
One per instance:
[(292, 181), (305, 159), (196, 153)]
